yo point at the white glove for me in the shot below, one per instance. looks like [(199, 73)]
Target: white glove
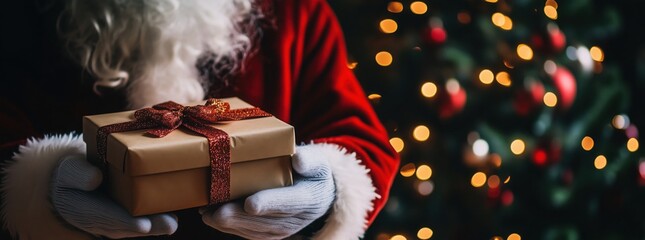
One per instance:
[(73, 197), (281, 212)]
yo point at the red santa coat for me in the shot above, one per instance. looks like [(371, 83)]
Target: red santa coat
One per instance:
[(299, 74)]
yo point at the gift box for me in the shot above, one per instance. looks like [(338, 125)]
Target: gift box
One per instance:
[(148, 174)]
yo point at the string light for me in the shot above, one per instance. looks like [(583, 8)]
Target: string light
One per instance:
[(480, 147), (408, 170), (551, 12), (587, 143), (550, 67), (395, 7), (550, 99), (352, 65), (374, 96), (486, 76), (388, 25), (497, 238), (425, 233), (429, 89), (478, 179), (398, 237), (508, 23), (503, 78), (517, 146), (632, 144), (600, 162), (597, 54), (383, 58), (620, 121), (421, 133), (524, 51), (491, 1), (498, 19), (424, 172), (508, 179), (514, 236), (397, 144), (418, 7)]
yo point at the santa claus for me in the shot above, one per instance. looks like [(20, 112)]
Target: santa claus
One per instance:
[(74, 58)]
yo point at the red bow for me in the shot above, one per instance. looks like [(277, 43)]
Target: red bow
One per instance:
[(165, 117)]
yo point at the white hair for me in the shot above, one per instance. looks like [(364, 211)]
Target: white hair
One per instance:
[(152, 46)]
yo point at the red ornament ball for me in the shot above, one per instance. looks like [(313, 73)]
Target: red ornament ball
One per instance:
[(452, 103), (435, 35)]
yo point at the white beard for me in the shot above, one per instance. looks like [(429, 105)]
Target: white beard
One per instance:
[(153, 45)]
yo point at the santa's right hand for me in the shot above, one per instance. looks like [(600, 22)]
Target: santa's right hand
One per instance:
[(74, 198)]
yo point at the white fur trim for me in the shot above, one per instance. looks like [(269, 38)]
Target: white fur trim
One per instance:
[(26, 211), (354, 194)]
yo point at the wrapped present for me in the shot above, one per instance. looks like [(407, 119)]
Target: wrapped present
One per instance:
[(171, 157)]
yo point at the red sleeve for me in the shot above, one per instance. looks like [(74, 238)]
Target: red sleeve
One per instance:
[(331, 105)]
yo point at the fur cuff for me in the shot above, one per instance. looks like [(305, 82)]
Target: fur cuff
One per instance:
[(26, 211), (354, 194)]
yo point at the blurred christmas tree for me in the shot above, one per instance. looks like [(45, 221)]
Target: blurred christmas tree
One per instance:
[(511, 120)]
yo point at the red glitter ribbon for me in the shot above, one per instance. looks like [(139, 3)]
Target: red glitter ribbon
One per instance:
[(165, 117)]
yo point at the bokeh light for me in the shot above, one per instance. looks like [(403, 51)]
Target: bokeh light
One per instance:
[(551, 12), (395, 7), (424, 172), (503, 78), (514, 236), (493, 181), (388, 25), (452, 86), (486, 76), (498, 19), (524, 51), (550, 99), (508, 23), (600, 162), (398, 237), (597, 54), (620, 121), (518, 146), (397, 144), (425, 188), (408, 170), (508, 179), (374, 96), (429, 89), (587, 143), (418, 7), (425, 233), (480, 147), (632, 144), (421, 133), (383, 58), (478, 179)]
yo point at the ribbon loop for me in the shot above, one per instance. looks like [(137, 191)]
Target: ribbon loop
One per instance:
[(165, 117)]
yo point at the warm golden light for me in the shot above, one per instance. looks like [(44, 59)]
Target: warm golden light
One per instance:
[(374, 96), (524, 52), (508, 23), (491, 1), (424, 172), (388, 25), (597, 54), (514, 236), (550, 99), (408, 170), (428, 89), (486, 76), (498, 19), (551, 12), (517, 146), (478, 179), (424, 233), (503, 78), (508, 179), (398, 237), (497, 238), (632, 144), (384, 58), (418, 7), (493, 181), (352, 65), (421, 133), (600, 162), (395, 7), (397, 144), (587, 143), (496, 159)]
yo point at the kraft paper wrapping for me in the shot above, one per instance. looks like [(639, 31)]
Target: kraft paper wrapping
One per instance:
[(150, 175)]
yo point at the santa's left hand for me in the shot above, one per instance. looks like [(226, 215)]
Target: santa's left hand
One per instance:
[(281, 212)]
